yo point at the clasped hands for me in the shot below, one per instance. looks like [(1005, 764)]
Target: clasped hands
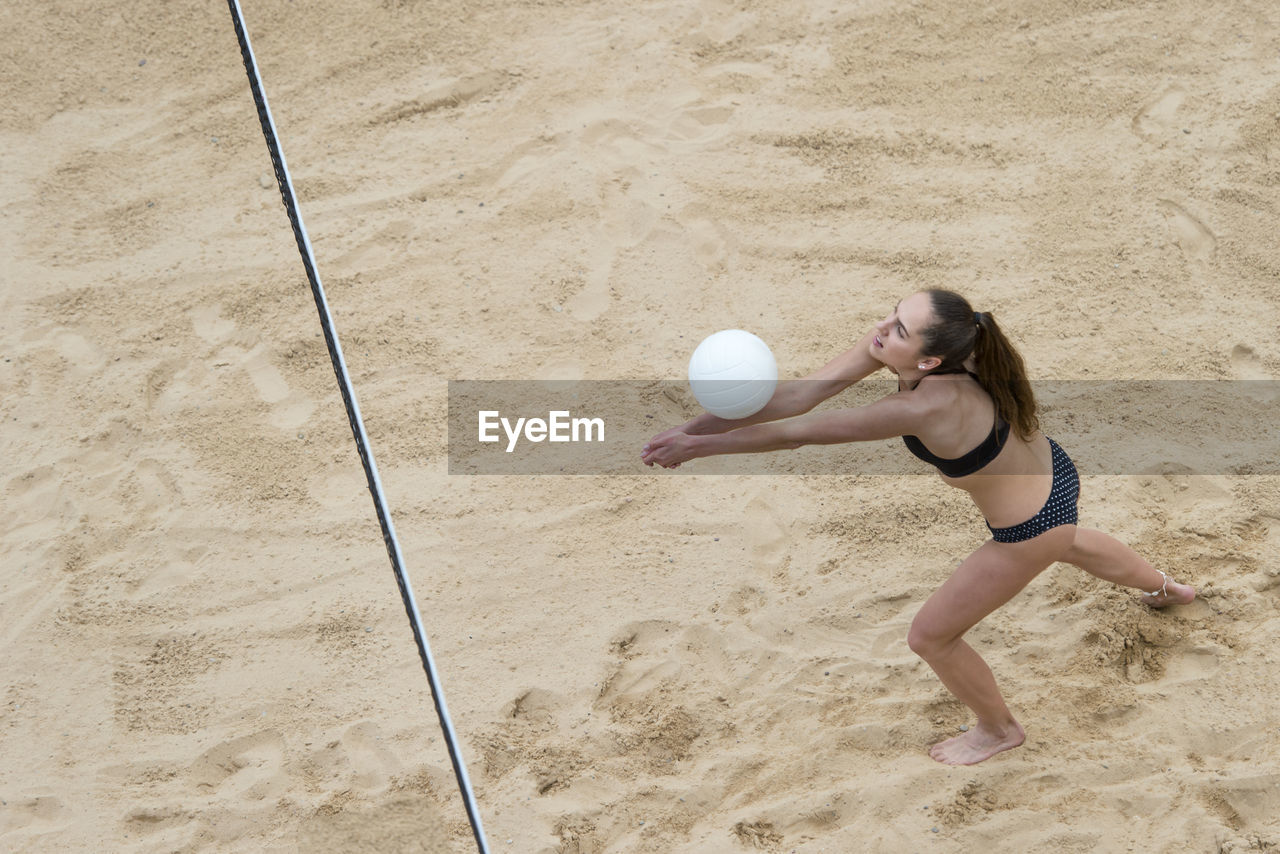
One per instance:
[(668, 449)]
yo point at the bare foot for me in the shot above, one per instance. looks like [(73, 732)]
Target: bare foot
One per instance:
[(970, 748), (1172, 594)]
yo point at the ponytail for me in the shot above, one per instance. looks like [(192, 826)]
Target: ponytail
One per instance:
[(1002, 373), (959, 332)]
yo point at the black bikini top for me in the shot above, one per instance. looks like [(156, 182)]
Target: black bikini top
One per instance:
[(971, 462)]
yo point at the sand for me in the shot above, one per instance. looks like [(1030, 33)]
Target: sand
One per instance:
[(203, 644)]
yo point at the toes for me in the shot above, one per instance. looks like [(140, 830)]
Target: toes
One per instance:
[(940, 753)]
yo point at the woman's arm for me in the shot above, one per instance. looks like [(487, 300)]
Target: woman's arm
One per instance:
[(896, 415), (794, 397)]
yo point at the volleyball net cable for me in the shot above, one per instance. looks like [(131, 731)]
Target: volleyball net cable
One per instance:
[(357, 424)]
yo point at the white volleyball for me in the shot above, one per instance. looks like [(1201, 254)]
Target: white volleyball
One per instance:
[(733, 374)]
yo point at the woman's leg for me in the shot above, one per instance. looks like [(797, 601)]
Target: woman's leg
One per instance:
[(1111, 560), (988, 578)]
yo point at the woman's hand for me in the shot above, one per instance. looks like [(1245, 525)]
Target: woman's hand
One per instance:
[(669, 432), (668, 449)]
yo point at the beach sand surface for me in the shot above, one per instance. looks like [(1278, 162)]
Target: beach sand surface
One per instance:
[(204, 647)]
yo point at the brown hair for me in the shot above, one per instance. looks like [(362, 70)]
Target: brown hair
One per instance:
[(957, 333)]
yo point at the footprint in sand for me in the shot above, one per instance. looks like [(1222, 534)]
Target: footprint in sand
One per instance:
[(32, 816), (712, 243), (1157, 118), (738, 76), (289, 409), (1260, 536), (1188, 665), (170, 383), (176, 566), (1260, 528), (796, 818), (152, 818), (1257, 384), (397, 821), (632, 203), (1246, 364), (250, 767), (626, 220), (371, 762), (745, 600), (768, 540), (650, 653), (83, 356), (271, 386), (714, 24), (377, 252), (346, 489), (1245, 803), (889, 646), (210, 325), (1198, 503), (158, 490), (38, 505), (25, 606), (560, 371), (1190, 234), (455, 93), (636, 678), (536, 705), (700, 124), (526, 159), (1237, 743)]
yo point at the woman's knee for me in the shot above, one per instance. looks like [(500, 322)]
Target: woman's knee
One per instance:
[(925, 640)]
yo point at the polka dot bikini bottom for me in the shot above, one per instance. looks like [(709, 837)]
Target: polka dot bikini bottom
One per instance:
[(1060, 509)]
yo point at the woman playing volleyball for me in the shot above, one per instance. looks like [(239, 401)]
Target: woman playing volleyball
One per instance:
[(964, 405)]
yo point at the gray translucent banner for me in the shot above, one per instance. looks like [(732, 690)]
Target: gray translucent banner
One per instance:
[(1118, 427)]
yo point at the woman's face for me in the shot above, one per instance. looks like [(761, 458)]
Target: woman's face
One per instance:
[(897, 341)]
